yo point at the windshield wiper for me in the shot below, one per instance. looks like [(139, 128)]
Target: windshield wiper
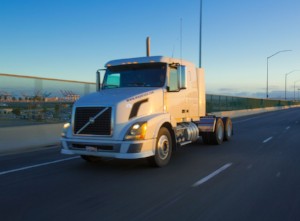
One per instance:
[(136, 84)]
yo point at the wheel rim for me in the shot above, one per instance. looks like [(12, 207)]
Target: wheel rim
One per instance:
[(163, 147), (220, 132)]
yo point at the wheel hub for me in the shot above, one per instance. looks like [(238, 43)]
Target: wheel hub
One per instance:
[(163, 147)]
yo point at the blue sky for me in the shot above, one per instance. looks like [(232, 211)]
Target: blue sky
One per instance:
[(71, 39)]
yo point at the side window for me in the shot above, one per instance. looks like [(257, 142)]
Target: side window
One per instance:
[(173, 81), (113, 80), (182, 77)]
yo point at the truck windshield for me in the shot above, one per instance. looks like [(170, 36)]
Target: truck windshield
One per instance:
[(135, 75)]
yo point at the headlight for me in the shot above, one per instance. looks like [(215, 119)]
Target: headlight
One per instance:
[(65, 129), (137, 131)]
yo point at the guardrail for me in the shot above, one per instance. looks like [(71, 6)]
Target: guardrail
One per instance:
[(26, 100)]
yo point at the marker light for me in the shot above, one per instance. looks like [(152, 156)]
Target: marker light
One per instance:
[(65, 129)]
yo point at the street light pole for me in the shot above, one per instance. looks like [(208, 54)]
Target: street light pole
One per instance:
[(286, 80), (295, 89), (200, 36), (268, 69)]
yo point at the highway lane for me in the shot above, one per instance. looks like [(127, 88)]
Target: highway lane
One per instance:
[(253, 177)]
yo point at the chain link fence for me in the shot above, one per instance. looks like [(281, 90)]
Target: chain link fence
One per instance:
[(217, 103), (26, 100)]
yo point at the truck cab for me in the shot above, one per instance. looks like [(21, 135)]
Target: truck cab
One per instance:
[(144, 108)]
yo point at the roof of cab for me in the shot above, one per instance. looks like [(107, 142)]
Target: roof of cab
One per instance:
[(150, 59)]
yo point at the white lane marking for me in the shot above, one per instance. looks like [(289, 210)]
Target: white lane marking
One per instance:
[(213, 174), (267, 140), (252, 118), (37, 165), (287, 128)]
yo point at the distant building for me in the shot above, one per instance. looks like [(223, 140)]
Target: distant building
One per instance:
[(69, 96), (51, 99), (72, 97)]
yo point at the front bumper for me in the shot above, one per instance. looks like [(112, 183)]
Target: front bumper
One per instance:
[(112, 148)]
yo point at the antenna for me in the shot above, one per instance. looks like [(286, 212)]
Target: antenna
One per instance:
[(181, 40), (173, 50)]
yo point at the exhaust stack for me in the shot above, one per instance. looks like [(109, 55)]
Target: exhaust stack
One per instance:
[(148, 46)]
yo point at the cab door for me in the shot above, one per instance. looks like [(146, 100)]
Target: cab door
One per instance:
[(176, 97)]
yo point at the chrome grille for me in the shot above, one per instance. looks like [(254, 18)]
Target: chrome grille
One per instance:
[(92, 121)]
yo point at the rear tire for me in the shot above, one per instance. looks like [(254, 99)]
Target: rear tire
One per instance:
[(228, 129), (163, 149), (218, 135)]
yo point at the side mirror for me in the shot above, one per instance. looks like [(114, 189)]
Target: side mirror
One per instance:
[(182, 76), (98, 79), (98, 83)]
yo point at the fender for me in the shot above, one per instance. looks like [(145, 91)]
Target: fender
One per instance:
[(154, 122), (157, 122)]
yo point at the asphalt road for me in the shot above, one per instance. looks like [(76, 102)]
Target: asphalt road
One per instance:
[(255, 176)]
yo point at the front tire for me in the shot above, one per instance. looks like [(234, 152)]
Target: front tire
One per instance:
[(163, 149)]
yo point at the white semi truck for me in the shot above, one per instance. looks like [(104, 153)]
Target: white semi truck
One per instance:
[(146, 107)]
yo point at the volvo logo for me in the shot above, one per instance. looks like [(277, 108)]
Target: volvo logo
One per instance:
[(91, 120)]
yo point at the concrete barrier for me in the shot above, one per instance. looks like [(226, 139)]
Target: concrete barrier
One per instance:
[(247, 112), (25, 138)]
